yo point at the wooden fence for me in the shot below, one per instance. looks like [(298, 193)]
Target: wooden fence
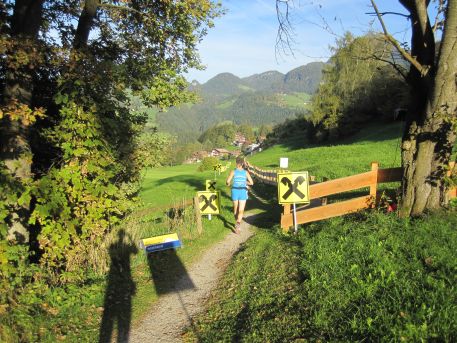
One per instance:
[(319, 209), (265, 176)]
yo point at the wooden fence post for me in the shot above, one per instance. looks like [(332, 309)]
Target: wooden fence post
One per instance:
[(324, 199), (198, 217), (286, 211), (452, 193), (374, 185)]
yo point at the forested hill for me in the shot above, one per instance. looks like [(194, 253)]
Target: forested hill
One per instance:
[(305, 79), (265, 98)]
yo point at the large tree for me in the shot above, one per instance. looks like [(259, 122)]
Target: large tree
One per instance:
[(69, 139), (430, 130)]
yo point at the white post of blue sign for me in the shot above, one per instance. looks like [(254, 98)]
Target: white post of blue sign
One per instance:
[(295, 219)]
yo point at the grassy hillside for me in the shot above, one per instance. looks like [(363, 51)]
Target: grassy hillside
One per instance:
[(359, 278), (299, 100), (369, 276), (351, 156)]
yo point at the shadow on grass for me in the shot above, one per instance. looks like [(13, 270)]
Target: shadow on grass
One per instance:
[(119, 291), (168, 272), (263, 200)]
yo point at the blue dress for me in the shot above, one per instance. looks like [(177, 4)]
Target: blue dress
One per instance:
[(239, 187)]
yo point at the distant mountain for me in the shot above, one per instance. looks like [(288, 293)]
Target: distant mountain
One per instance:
[(304, 79), (268, 81), (265, 98), (224, 84)]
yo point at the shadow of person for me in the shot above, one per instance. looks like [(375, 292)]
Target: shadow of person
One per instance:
[(227, 224), (168, 272), (119, 291)]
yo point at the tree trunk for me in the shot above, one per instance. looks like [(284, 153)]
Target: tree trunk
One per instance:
[(85, 22), (429, 134), (15, 150)]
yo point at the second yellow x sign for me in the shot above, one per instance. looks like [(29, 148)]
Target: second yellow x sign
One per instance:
[(293, 188)]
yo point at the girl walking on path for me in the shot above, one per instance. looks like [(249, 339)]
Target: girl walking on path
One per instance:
[(241, 181)]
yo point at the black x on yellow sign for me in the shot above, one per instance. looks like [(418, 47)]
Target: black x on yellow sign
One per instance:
[(209, 202), (293, 188), (210, 185)]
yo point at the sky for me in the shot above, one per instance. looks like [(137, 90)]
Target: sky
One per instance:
[(242, 41)]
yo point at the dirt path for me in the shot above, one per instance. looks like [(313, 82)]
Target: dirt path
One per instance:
[(174, 310)]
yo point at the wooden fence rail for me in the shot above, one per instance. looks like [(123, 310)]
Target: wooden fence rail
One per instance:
[(265, 176), (369, 179), (320, 210)]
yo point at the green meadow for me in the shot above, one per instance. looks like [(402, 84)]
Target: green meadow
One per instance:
[(347, 157), (369, 276)]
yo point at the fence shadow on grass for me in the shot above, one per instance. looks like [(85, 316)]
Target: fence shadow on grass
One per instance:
[(119, 291), (262, 198)]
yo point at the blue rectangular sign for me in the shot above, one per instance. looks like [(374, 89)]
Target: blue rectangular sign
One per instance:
[(163, 246)]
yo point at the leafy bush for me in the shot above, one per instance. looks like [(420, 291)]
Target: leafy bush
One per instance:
[(208, 163)]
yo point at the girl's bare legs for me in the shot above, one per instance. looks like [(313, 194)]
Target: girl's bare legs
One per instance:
[(241, 205), (235, 208)]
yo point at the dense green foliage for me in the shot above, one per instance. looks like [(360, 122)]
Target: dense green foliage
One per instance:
[(189, 122), (74, 310), (208, 163), (223, 134), (76, 80), (358, 85)]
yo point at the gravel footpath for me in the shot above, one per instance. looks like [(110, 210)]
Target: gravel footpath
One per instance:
[(174, 311)]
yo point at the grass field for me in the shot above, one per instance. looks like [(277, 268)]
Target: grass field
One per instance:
[(299, 100), (351, 156), (169, 185), (369, 276)]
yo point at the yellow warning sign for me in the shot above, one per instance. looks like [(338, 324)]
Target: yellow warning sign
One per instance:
[(210, 185), (293, 188), (209, 202)]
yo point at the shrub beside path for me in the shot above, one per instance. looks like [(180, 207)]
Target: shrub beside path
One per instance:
[(174, 311)]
